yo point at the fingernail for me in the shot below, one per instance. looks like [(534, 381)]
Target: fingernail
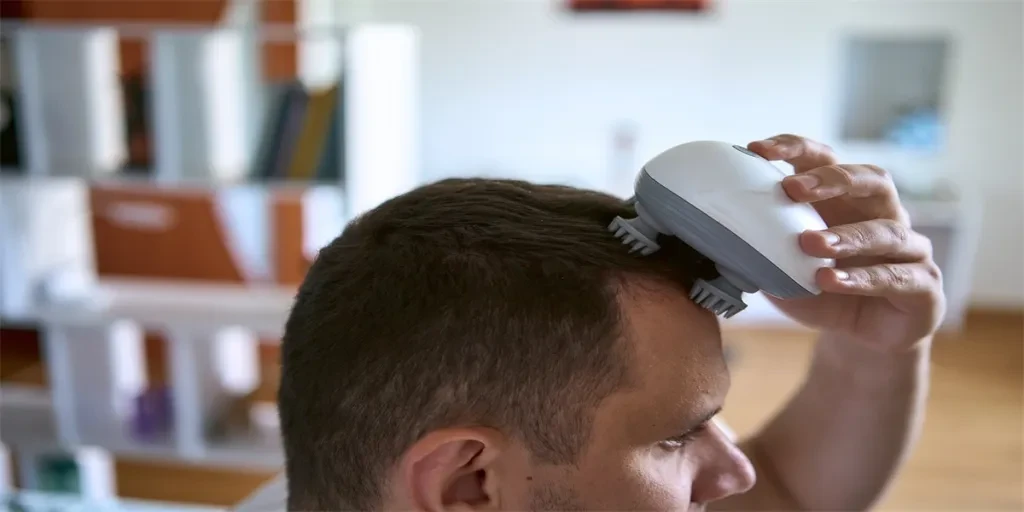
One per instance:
[(842, 275), (809, 181), (767, 142), (830, 237)]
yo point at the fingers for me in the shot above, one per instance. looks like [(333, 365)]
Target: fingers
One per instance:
[(819, 177), (887, 279), (872, 186), (835, 180), (803, 154), (883, 237)]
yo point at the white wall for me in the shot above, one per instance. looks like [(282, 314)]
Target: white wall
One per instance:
[(523, 87)]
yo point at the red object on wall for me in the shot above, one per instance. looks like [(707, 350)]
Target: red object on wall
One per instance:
[(639, 5), (12, 9)]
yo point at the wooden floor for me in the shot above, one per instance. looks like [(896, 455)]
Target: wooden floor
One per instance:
[(969, 458), (970, 455)]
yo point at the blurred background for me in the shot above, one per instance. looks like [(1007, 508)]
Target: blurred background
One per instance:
[(170, 168)]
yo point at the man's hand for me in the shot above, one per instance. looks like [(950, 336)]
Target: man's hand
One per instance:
[(886, 290), (839, 441)]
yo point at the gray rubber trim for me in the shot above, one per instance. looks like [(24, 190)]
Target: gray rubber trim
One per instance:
[(720, 245)]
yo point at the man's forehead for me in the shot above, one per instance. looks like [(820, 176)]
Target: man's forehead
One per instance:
[(676, 347), (678, 373)]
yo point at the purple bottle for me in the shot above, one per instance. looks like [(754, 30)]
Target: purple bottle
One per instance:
[(152, 419)]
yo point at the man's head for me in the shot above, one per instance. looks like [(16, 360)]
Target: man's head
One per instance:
[(488, 344)]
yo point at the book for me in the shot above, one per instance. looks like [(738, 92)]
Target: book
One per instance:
[(310, 142), (282, 130), (275, 106), (331, 167), (10, 148)]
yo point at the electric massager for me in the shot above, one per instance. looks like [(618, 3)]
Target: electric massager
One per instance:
[(728, 204)]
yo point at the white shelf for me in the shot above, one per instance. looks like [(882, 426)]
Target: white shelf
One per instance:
[(27, 422), (175, 305), (21, 397), (26, 416), (237, 455), (38, 501), (204, 325)]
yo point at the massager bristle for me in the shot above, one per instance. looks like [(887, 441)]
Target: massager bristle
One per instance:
[(716, 298), (714, 304), (636, 234)]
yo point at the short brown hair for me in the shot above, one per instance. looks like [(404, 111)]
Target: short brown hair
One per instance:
[(466, 301)]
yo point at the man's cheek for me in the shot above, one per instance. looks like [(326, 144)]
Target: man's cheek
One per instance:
[(656, 479)]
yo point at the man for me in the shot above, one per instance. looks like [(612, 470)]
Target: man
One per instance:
[(482, 344)]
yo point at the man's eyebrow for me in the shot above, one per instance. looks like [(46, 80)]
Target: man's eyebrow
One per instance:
[(703, 419)]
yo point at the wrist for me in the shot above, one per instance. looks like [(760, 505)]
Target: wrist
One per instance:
[(842, 357)]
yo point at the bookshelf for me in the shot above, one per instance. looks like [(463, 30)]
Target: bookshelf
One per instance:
[(94, 351), (168, 363), (202, 110)]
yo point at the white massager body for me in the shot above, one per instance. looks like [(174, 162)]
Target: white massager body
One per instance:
[(727, 203)]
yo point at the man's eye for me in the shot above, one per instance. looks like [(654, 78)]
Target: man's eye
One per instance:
[(679, 442)]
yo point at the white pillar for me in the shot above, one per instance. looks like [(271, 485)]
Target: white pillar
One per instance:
[(382, 150), (70, 97), (6, 478), (319, 43), (199, 99), (96, 468), (205, 368), (95, 374)]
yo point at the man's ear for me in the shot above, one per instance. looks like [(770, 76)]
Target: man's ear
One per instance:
[(454, 469)]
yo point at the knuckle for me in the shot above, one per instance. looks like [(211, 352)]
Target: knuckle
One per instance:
[(897, 276), (859, 235), (878, 171), (842, 174), (897, 233), (874, 277), (879, 182), (820, 148)]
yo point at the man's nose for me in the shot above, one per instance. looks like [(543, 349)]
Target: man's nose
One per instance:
[(724, 470)]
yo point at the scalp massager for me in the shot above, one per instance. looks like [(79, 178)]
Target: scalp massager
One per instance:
[(728, 204)]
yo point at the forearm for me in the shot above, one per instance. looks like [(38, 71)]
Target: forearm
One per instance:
[(840, 440)]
